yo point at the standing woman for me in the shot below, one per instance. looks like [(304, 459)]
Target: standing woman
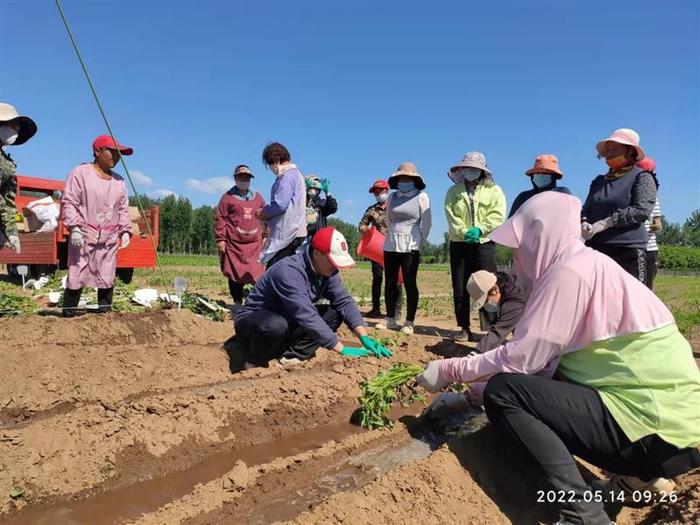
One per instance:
[(652, 226), (318, 208), (474, 207), (408, 225), (543, 177), (96, 212), (15, 129), (239, 233), (618, 203)]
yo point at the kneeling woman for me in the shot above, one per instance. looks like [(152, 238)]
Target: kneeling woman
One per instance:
[(629, 392)]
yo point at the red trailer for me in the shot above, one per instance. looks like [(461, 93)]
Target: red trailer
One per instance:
[(46, 250)]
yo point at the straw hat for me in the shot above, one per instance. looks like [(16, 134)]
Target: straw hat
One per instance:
[(406, 169), (478, 287), (473, 159), (546, 164), (27, 127), (625, 136)]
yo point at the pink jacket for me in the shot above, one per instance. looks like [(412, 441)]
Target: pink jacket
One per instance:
[(579, 295)]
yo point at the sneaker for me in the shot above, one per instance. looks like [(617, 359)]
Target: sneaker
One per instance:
[(289, 361), (388, 324), (374, 313), (628, 485), (464, 336), (407, 328)]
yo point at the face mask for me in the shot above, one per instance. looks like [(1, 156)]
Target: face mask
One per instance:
[(312, 192), (8, 135), (243, 185), (617, 162), (490, 307), (405, 187), (471, 174), (542, 180), (382, 197)]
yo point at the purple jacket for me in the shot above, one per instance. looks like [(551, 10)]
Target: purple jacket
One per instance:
[(291, 287)]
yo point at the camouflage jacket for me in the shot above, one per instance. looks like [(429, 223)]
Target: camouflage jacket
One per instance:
[(8, 189), (375, 216)]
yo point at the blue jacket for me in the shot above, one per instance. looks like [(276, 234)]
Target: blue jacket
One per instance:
[(291, 287)]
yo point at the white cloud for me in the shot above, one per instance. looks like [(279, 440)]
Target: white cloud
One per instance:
[(161, 194), (141, 180), (212, 185)]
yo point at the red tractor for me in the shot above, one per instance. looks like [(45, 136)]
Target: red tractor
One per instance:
[(46, 251)]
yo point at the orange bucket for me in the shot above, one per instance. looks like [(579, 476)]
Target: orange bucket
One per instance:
[(371, 246)]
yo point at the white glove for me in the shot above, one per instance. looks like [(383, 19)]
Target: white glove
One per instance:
[(76, 237), (446, 404), (587, 231), (13, 242), (126, 239), (431, 379), (602, 225)]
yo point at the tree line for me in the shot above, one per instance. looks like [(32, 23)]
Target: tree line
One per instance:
[(184, 229)]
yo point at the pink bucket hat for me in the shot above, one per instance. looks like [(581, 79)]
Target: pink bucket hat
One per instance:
[(625, 136), (473, 159)]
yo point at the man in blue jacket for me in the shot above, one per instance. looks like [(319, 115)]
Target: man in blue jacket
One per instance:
[(280, 319)]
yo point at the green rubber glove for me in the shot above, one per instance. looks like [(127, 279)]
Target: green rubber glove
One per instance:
[(472, 235), (374, 346), (354, 352), (325, 185)]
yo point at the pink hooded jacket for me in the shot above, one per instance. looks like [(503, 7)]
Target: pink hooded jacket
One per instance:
[(579, 296)]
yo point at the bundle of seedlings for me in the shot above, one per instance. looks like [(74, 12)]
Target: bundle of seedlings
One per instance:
[(204, 306), (396, 385)]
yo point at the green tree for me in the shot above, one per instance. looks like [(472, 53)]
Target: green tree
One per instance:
[(202, 235), (691, 230), (175, 224), (671, 234)]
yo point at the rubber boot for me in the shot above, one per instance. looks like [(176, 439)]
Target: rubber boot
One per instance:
[(71, 298), (104, 299)]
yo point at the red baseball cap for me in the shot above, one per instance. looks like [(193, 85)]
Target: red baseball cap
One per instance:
[(331, 242), (379, 184), (105, 141)]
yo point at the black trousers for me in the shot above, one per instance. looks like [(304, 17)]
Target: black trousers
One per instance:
[(408, 263), (71, 298), (290, 249), (236, 291), (263, 336), (465, 259), (632, 260), (377, 277), (652, 262), (554, 419)]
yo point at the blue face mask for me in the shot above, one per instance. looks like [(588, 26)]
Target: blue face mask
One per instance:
[(490, 307), (542, 180), (405, 187)]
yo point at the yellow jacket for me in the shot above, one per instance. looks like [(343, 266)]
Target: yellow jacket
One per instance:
[(489, 210)]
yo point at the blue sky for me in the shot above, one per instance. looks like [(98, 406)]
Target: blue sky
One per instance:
[(355, 88)]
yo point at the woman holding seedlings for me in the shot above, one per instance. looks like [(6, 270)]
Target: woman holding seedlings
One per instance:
[(474, 206), (239, 233), (628, 390), (408, 225), (618, 203), (96, 213)]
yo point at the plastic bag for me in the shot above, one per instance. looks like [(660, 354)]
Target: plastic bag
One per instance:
[(47, 211)]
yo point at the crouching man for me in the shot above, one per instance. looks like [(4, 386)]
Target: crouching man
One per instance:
[(280, 320)]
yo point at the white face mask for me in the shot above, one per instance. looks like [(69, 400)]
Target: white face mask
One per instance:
[(382, 197), (471, 174), (490, 307), (243, 185), (8, 135)]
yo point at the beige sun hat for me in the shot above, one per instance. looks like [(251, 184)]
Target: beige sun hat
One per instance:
[(27, 127), (478, 287), (408, 169), (473, 159), (625, 136)]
